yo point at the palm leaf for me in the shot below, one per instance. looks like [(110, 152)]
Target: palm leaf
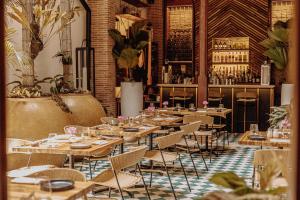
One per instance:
[(128, 58)]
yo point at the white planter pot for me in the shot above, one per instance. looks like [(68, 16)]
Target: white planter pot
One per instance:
[(287, 94), (131, 98)]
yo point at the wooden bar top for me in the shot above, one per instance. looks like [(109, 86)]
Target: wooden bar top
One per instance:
[(179, 85), (243, 86)]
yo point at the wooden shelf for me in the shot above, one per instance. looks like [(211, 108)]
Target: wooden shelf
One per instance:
[(136, 3), (230, 49), (130, 17), (231, 63)]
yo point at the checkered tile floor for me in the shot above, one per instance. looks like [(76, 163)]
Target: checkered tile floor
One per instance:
[(237, 159)]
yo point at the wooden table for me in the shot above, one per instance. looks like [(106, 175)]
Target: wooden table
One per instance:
[(163, 120), (18, 191), (64, 148), (214, 112), (269, 142)]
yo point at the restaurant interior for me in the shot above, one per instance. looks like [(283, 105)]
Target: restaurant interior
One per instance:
[(149, 99)]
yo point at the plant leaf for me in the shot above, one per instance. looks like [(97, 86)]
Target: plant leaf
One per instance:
[(228, 180)]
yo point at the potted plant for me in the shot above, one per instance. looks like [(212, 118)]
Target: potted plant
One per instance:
[(128, 52), (28, 118), (278, 52)]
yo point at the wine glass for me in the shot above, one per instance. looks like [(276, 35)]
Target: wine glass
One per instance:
[(254, 129)]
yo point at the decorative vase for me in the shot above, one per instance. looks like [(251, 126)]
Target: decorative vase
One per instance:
[(131, 98)]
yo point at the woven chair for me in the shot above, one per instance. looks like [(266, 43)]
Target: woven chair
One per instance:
[(97, 156), (189, 144), (263, 157), (17, 160), (61, 173), (36, 159), (165, 157), (14, 142), (117, 178)]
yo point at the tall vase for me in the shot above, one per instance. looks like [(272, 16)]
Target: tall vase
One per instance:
[(131, 98)]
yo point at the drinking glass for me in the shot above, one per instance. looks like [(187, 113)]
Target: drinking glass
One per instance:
[(192, 106), (221, 105), (254, 129), (178, 105)]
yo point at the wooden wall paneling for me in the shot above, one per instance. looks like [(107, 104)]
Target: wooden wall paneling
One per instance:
[(239, 18)]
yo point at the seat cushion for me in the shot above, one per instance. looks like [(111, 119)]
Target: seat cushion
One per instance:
[(155, 155)]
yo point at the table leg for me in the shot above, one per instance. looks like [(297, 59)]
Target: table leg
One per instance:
[(151, 141), (71, 161)]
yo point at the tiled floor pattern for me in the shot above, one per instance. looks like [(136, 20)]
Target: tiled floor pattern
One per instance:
[(238, 159)]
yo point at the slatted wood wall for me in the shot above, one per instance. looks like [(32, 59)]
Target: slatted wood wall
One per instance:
[(239, 18)]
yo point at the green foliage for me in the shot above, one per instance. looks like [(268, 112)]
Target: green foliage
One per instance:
[(228, 180), (278, 45), (128, 49)]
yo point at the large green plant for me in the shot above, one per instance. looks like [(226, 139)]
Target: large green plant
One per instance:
[(278, 45), (43, 23), (127, 49)]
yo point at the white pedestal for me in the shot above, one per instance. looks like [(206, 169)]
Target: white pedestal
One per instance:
[(131, 98)]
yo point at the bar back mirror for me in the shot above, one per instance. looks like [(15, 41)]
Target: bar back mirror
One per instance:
[(179, 37)]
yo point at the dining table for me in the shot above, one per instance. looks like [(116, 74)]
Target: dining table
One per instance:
[(214, 112), (63, 144), (21, 191), (266, 142)]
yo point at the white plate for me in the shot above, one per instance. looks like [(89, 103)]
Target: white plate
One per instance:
[(100, 142), (62, 137)]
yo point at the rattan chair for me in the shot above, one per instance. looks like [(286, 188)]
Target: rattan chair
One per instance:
[(14, 142), (17, 160), (117, 178), (264, 156), (57, 160), (165, 157), (189, 144), (61, 173)]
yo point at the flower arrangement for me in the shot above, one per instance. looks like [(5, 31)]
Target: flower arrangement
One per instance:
[(165, 104), (279, 117), (205, 103)]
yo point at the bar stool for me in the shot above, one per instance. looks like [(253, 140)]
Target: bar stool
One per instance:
[(215, 96), (246, 99), (181, 96)]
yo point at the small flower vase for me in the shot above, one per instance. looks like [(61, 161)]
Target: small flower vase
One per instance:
[(205, 106)]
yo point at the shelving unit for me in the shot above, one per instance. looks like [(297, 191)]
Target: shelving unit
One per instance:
[(230, 57)]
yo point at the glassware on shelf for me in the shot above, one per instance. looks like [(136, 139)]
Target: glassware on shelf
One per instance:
[(254, 129)]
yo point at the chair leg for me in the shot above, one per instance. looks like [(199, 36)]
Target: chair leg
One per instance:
[(95, 164), (109, 192), (187, 181), (151, 172), (90, 168), (188, 151), (120, 190), (145, 186), (200, 152), (210, 152), (166, 168), (227, 134), (253, 177)]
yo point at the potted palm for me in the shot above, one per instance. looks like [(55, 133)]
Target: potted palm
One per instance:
[(277, 46), (129, 54)]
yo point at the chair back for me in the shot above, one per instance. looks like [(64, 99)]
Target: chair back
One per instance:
[(169, 140), (127, 159), (14, 142), (281, 156), (61, 173), (47, 159), (191, 127), (75, 129), (246, 95), (17, 160)]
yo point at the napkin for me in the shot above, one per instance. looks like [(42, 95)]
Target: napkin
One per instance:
[(100, 142), (27, 180)]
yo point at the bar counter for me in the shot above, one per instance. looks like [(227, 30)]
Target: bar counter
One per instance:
[(253, 112)]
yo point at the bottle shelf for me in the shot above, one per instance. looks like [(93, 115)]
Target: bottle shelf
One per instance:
[(229, 50), (230, 63)]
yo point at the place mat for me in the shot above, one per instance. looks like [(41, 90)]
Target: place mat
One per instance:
[(100, 142), (80, 146), (280, 140), (27, 180), (26, 171)]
